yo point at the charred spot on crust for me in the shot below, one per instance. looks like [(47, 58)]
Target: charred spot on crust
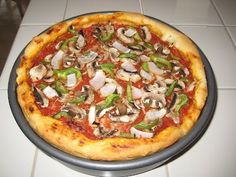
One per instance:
[(49, 31), (120, 146), (81, 142), (31, 109)]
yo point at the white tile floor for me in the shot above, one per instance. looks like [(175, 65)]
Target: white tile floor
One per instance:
[(213, 154)]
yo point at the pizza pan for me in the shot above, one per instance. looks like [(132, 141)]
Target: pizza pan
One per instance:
[(118, 168)]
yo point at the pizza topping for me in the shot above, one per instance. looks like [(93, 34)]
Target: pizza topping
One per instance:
[(123, 37), (40, 98), (50, 92), (120, 47), (141, 134), (38, 72), (57, 59), (146, 33), (123, 83), (98, 80)]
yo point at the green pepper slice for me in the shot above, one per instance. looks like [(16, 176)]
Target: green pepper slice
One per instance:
[(128, 55), (63, 73), (106, 37), (42, 86), (145, 66), (78, 100), (183, 100), (108, 68), (143, 125), (184, 79), (137, 37), (60, 114), (109, 101), (64, 45), (126, 135), (148, 45), (171, 88), (60, 88), (72, 30), (162, 61), (129, 92)]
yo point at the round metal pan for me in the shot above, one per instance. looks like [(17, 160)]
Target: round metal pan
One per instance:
[(118, 168)]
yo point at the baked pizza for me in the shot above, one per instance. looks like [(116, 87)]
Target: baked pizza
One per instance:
[(113, 86)]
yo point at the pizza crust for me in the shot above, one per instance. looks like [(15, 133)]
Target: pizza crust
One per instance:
[(109, 149)]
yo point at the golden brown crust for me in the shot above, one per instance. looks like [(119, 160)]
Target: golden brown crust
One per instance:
[(116, 148)]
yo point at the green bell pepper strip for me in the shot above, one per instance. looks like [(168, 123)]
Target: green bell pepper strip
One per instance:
[(108, 101), (42, 86), (60, 114), (171, 88), (60, 88), (148, 45), (184, 79), (183, 100), (126, 135), (78, 100), (145, 66), (129, 92), (106, 37), (73, 31), (137, 37), (64, 45), (161, 61), (128, 55), (143, 125), (108, 68), (63, 73)]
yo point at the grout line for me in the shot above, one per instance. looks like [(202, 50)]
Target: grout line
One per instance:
[(234, 42), (141, 6), (34, 163), (64, 15), (201, 25), (167, 170), (221, 18)]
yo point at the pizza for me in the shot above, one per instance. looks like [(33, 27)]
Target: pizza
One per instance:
[(111, 86)]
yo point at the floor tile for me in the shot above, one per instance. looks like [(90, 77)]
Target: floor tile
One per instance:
[(214, 153), (44, 12), (232, 31), (24, 35), (227, 10), (75, 7), (184, 12), (47, 167), (219, 49), (16, 151)]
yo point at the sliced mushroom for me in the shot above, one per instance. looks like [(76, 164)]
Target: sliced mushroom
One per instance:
[(127, 76), (174, 117), (128, 66), (119, 89), (154, 69), (92, 114), (91, 68), (156, 88), (89, 57), (145, 75), (98, 80), (58, 45), (80, 43), (154, 114), (146, 34), (113, 53), (40, 98), (68, 61), (48, 58), (173, 101), (144, 58), (191, 86), (50, 92), (38, 72), (49, 76), (57, 59), (141, 134), (124, 118), (153, 100), (75, 111), (120, 47), (120, 34), (88, 91), (108, 89)]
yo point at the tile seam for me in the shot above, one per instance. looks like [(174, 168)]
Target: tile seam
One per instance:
[(34, 163), (167, 170), (141, 6), (64, 15), (222, 20)]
